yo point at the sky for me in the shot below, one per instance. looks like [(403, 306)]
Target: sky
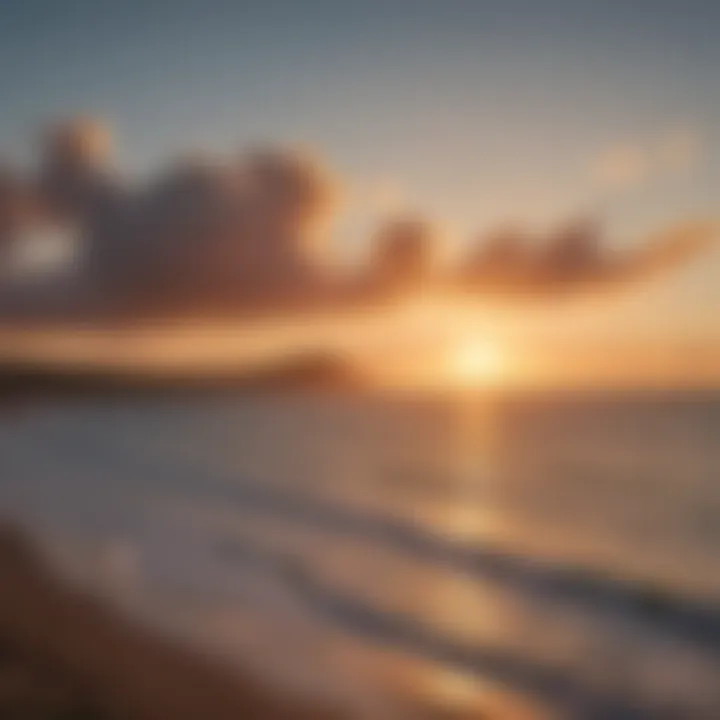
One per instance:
[(472, 113)]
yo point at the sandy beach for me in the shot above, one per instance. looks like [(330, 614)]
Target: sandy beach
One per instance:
[(64, 655)]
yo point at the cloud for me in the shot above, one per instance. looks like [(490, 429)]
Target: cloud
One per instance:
[(680, 151), (504, 253), (572, 259), (622, 166), (233, 231), (17, 204), (75, 179), (249, 234), (667, 155), (82, 142), (405, 252)]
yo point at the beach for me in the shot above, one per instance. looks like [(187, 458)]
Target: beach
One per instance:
[(63, 654)]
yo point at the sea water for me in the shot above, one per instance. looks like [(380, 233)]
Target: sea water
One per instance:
[(540, 555)]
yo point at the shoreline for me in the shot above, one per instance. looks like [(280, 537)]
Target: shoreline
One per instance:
[(65, 655), (306, 372)]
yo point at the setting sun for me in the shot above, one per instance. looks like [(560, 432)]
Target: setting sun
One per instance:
[(474, 362)]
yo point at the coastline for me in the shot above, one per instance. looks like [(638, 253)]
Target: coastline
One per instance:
[(65, 655), (304, 372)]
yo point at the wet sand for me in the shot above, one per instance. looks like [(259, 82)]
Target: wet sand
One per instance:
[(63, 655)]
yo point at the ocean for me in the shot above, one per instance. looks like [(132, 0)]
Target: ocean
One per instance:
[(540, 555)]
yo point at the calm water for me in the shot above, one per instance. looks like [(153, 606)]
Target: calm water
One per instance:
[(528, 557)]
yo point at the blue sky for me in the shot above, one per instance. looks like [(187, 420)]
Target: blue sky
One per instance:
[(475, 111)]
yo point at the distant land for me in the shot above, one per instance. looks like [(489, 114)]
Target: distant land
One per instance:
[(304, 372)]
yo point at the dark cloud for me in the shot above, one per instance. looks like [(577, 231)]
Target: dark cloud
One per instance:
[(405, 253), (239, 233), (18, 205), (76, 182), (572, 259), (502, 258), (251, 234)]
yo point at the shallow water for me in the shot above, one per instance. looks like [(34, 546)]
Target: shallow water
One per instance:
[(539, 556)]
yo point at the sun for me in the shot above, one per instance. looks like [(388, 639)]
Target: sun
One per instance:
[(473, 362)]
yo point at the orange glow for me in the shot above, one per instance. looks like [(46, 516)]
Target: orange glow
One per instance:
[(473, 362)]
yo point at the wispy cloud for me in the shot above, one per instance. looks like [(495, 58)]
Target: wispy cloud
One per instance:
[(657, 157)]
